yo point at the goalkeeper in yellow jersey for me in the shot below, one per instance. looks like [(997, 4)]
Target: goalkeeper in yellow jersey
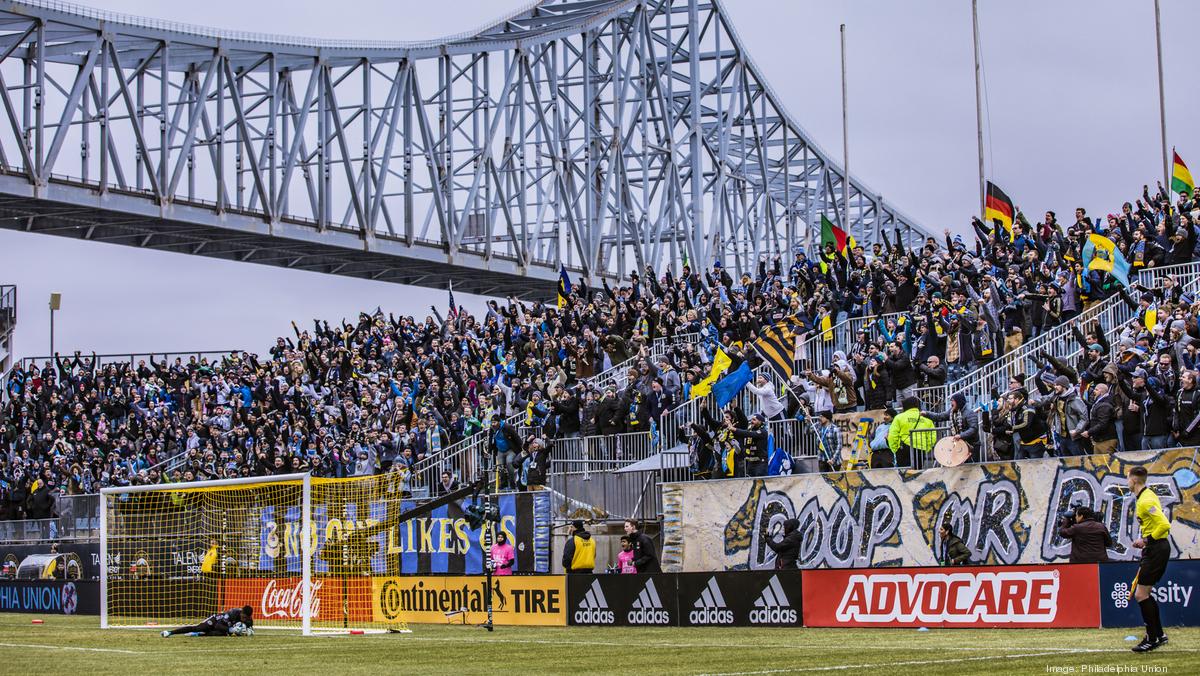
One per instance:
[(232, 622), (1155, 544)]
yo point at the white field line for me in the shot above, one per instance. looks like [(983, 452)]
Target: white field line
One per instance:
[(909, 663), (42, 646)]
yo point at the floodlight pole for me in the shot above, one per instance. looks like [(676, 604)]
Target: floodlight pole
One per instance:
[(1162, 108), (978, 105)]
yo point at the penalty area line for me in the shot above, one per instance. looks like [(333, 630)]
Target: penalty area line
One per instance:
[(44, 646)]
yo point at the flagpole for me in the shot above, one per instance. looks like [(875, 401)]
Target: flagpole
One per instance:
[(1162, 109), (845, 142), (979, 104)]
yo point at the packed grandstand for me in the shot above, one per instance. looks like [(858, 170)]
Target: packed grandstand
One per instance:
[(949, 329)]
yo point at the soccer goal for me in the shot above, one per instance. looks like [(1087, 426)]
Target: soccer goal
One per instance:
[(295, 549)]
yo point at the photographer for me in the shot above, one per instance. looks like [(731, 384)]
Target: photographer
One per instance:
[(1089, 538)]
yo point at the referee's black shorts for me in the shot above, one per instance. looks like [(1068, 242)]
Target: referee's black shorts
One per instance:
[(1154, 561)]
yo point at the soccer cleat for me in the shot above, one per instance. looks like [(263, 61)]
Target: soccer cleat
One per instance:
[(1162, 641), (1146, 645), (165, 633)]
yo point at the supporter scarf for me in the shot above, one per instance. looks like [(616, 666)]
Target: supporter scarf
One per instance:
[(434, 440)]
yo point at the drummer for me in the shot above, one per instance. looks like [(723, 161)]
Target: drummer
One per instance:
[(964, 423)]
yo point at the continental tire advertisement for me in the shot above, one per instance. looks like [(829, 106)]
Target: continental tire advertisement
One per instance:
[(531, 600)]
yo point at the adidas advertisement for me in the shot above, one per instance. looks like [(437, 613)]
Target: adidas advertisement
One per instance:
[(622, 600), (726, 599), (1177, 593), (742, 599)]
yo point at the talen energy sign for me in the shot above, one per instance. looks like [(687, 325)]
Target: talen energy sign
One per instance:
[(1009, 596)]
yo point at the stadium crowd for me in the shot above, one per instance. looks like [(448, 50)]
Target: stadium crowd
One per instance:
[(384, 392)]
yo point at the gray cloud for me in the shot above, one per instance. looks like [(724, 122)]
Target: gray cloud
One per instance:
[(1073, 120)]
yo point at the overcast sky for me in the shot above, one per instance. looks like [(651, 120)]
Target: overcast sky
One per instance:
[(1073, 120)]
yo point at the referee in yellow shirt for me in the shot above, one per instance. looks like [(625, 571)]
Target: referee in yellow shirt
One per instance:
[(1155, 544)]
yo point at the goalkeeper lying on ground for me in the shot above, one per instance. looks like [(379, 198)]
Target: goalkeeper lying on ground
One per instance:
[(232, 622)]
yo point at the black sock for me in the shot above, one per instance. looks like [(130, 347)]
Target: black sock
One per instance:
[(1150, 615)]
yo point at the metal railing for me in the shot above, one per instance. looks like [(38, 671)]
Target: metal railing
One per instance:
[(463, 458), (817, 348), (1058, 340), (76, 517), (205, 357)]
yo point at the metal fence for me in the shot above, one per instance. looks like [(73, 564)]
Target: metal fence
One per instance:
[(816, 350), (76, 517), (133, 359), (1057, 341)]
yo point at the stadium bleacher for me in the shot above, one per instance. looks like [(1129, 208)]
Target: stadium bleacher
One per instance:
[(609, 378)]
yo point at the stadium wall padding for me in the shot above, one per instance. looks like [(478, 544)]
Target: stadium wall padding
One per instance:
[(1006, 513), (50, 597)]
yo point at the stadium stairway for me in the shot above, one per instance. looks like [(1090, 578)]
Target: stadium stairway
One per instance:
[(466, 457), (1112, 313)]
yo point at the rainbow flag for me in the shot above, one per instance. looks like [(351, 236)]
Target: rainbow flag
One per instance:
[(1181, 178)]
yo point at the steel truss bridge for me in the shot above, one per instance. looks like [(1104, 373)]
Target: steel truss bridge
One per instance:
[(605, 135)]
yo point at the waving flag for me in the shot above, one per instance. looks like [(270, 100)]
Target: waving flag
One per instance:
[(564, 286), (777, 346), (728, 387), (998, 207), (1181, 178), (1100, 253), (831, 234), (720, 362), (453, 311)]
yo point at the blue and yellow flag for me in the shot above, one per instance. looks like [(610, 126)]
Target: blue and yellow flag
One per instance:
[(720, 362), (1150, 318), (1100, 253), (564, 286)]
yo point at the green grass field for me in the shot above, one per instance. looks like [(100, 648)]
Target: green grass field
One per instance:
[(75, 645)]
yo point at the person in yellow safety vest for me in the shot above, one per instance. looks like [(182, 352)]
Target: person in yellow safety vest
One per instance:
[(209, 563), (900, 438), (579, 556)]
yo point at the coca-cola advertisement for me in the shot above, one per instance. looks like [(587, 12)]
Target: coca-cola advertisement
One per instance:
[(282, 599), (1000, 596)]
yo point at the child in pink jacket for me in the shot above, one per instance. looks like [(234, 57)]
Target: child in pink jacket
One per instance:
[(503, 557), (625, 557)]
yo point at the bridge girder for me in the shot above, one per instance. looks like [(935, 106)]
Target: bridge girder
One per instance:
[(603, 135)]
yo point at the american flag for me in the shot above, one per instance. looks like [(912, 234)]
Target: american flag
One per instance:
[(452, 312)]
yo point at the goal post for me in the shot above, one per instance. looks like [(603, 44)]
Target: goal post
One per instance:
[(177, 553)]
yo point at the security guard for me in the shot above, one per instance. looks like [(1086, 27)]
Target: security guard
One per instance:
[(1155, 544), (579, 556)]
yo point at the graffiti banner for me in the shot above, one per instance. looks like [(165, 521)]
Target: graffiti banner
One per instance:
[(1008, 596), (1006, 513), (1174, 592)]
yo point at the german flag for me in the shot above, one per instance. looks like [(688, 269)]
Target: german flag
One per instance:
[(998, 207), (777, 345)]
